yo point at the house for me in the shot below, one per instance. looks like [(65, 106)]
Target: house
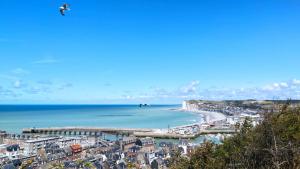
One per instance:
[(134, 149), (154, 164), (3, 158), (2, 136), (67, 151), (150, 157), (13, 151), (148, 144), (141, 158), (131, 157), (127, 142), (9, 166), (52, 148), (76, 148)]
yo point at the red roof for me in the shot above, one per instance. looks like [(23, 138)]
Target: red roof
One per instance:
[(76, 148)]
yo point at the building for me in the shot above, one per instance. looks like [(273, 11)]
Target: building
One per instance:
[(76, 148), (13, 151), (31, 147), (3, 156), (148, 144), (150, 157), (2, 136), (66, 142), (127, 142)]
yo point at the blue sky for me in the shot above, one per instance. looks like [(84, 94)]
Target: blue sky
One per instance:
[(153, 51)]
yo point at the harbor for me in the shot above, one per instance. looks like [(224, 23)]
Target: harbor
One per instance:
[(155, 133), (125, 146)]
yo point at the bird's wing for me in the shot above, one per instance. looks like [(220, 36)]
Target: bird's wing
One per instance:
[(66, 6), (62, 11)]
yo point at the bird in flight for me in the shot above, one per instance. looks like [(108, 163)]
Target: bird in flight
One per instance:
[(63, 8)]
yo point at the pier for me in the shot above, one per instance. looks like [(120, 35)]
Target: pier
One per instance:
[(94, 131), (88, 131)]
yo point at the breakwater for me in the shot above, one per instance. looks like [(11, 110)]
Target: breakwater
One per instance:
[(96, 131)]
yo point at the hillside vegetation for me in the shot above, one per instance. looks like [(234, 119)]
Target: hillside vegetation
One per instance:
[(275, 143)]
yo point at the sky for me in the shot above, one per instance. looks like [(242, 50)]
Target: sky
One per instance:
[(148, 51)]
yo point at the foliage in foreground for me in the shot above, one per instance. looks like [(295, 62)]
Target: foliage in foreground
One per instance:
[(275, 143)]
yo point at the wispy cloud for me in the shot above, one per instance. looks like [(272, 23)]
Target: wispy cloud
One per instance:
[(64, 86), (8, 77), (27, 89), (7, 92), (49, 60), (18, 84), (47, 87), (20, 71), (45, 82), (277, 90), (190, 90)]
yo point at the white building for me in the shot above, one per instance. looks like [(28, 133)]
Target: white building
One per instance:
[(31, 147), (65, 142), (150, 157), (13, 151)]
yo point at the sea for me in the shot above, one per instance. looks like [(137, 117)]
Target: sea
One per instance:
[(14, 118)]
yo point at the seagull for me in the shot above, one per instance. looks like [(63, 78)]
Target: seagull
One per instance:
[(63, 8)]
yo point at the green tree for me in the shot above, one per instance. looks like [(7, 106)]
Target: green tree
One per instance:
[(274, 143)]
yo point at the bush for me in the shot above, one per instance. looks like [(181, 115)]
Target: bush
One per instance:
[(275, 143)]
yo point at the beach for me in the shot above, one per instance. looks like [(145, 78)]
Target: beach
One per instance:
[(208, 116)]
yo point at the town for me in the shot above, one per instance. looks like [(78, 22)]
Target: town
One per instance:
[(28, 151), (131, 148)]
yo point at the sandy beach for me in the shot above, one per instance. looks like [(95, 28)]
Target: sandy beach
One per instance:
[(210, 116)]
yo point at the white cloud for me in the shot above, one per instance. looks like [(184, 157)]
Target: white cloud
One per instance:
[(20, 88), (49, 60), (64, 86), (190, 88), (7, 93), (17, 84), (276, 86), (20, 71), (277, 90), (8, 77), (189, 91), (296, 82)]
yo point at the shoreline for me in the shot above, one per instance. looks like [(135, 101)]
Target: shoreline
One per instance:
[(208, 116)]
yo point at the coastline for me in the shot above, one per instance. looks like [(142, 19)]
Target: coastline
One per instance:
[(17, 117), (208, 116), (180, 131)]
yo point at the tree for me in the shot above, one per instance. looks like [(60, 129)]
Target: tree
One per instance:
[(88, 165), (275, 143)]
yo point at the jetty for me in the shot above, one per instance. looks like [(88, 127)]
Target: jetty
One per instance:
[(98, 131), (90, 131)]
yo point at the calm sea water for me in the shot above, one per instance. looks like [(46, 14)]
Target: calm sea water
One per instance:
[(13, 118)]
